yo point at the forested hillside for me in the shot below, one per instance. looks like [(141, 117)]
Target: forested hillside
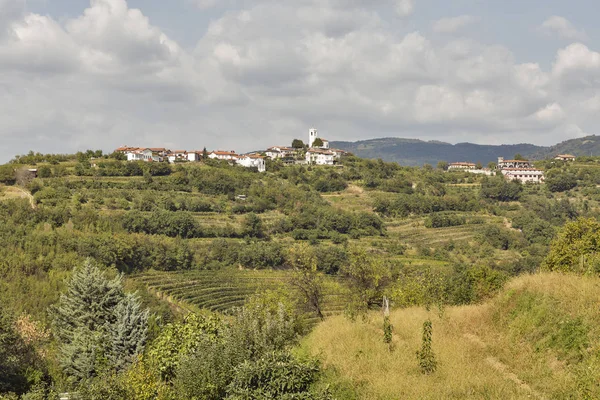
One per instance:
[(133, 280), (414, 152)]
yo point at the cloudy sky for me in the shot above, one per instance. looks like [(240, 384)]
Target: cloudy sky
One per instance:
[(246, 74)]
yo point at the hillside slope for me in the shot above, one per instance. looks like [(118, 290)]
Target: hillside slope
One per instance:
[(539, 338), (414, 152)]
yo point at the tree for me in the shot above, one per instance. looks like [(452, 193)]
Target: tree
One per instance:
[(519, 157), (306, 277), (478, 165), (44, 171), (425, 356), (577, 242), (297, 144), (253, 226), (443, 165), (492, 165), (127, 334), (318, 142), (95, 320), (366, 276), (561, 182), (15, 356), (204, 154)]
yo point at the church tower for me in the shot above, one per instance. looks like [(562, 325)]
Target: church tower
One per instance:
[(312, 136)]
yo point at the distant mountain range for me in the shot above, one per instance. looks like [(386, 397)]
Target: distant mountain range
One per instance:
[(415, 152)]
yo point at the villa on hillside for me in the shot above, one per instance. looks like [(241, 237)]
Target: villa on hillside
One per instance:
[(565, 157), (502, 163), (524, 175), (461, 166), (520, 170)]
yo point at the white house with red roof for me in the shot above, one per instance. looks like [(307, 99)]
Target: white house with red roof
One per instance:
[(252, 161), (223, 155), (320, 157)]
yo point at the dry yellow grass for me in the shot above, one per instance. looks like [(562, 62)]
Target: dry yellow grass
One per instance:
[(480, 350)]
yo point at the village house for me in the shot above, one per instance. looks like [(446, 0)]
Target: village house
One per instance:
[(223, 155), (502, 163), (143, 154), (524, 175), (565, 157), (461, 166), (280, 152), (252, 161), (320, 157)]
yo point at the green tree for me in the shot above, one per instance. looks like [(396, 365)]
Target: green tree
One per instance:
[(15, 357), (425, 356), (306, 277), (492, 165), (44, 171), (561, 182), (366, 276), (519, 157), (297, 144), (127, 334), (576, 247), (252, 226), (443, 165), (94, 321), (318, 142)]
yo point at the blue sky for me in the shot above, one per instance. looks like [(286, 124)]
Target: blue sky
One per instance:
[(245, 75)]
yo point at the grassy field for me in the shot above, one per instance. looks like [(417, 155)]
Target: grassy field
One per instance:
[(539, 338)]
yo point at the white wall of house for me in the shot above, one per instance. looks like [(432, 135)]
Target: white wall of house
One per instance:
[(524, 175), (252, 162), (320, 158)]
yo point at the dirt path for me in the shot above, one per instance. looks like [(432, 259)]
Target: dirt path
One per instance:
[(503, 369), (27, 195)]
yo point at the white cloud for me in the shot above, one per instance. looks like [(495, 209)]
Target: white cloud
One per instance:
[(562, 27), (453, 24), (404, 8)]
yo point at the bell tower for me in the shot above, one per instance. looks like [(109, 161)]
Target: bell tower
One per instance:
[(312, 136)]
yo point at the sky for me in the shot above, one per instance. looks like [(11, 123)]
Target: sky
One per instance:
[(248, 74)]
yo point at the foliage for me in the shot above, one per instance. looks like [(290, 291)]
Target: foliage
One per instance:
[(387, 329), (306, 278), (425, 356), (97, 325), (576, 241), (18, 360), (497, 188), (276, 375), (560, 182), (366, 276)]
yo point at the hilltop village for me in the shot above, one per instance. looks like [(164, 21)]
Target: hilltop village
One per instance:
[(315, 152)]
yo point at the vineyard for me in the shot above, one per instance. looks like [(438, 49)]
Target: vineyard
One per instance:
[(224, 290)]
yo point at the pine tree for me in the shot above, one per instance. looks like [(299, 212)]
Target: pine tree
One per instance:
[(98, 326), (127, 335), (88, 303)]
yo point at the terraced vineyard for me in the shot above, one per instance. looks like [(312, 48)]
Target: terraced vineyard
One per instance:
[(413, 232), (225, 289)]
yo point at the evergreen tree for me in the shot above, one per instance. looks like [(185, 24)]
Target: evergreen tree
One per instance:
[(88, 303), (127, 335), (98, 326)]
